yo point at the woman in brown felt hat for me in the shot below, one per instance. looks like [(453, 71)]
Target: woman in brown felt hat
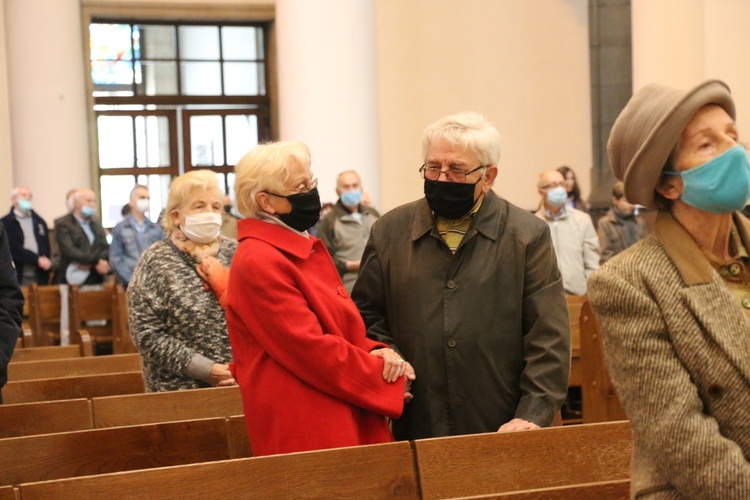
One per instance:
[(673, 309)]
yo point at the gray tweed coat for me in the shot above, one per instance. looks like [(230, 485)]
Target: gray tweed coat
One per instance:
[(678, 350)]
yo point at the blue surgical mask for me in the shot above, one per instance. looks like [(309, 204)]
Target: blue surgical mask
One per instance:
[(720, 185), (557, 196), (87, 212), (24, 205), (351, 198)]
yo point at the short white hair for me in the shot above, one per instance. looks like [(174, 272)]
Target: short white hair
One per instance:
[(469, 130)]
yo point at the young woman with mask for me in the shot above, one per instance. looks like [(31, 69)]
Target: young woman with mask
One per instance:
[(674, 309), (176, 319), (309, 377)]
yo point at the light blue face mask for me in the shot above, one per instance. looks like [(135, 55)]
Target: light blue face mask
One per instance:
[(557, 196), (24, 205), (720, 185), (351, 198), (87, 212)]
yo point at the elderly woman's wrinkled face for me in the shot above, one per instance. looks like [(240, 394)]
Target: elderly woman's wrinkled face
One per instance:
[(200, 200), (300, 181), (708, 134)]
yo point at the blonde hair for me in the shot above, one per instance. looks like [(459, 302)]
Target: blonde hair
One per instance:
[(266, 168), (180, 189)]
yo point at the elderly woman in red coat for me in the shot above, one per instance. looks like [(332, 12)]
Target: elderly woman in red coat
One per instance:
[(309, 377)]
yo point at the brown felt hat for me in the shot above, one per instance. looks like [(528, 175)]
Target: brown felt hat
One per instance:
[(648, 129)]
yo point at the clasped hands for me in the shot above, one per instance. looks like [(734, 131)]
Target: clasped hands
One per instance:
[(394, 366)]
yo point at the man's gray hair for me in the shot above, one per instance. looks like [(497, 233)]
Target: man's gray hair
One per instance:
[(469, 130)]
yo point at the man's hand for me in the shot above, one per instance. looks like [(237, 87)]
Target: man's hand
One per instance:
[(353, 265), (102, 267), (393, 367), (220, 376), (44, 263), (517, 424), (409, 376)]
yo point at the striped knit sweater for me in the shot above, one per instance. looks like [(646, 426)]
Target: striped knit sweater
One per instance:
[(174, 320)]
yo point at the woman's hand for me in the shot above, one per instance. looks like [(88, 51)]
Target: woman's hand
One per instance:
[(220, 376), (393, 365)]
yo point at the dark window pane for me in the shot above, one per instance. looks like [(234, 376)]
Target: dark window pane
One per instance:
[(243, 79), (201, 78), (199, 42), (115, 141), (156, 78), (206, 141), (157, 42), (239, 43)]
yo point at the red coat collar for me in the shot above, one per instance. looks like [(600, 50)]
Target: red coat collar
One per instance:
[(277, 236)]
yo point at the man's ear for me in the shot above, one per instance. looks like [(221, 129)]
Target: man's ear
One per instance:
[(489, 178), (264, 202), (670, 187)]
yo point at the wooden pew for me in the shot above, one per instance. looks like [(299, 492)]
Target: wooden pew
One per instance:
[(44, 314), (494, 463), (166, 406), (8, 493), (48, 352), (84, 386), (122, 342), (377, 471), (609, 490), (600, 403), (575, 303), (100, 451), (45, 417), (86, 306), (28, 370)]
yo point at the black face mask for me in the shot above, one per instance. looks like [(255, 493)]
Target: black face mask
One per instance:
[(450, 200), (305, 210)]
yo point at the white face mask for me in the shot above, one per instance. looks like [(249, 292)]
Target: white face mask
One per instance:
[(141, 205), (203, 227)]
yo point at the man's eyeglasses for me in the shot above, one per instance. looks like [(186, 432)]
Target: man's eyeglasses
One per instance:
[(453, 174)]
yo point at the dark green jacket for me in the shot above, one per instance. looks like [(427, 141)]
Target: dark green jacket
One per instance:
[(486, 329)]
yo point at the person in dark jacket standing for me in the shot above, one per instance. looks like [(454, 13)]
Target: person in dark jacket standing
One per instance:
[(84, 251), (11, 308), (28, 239), (465, 286)]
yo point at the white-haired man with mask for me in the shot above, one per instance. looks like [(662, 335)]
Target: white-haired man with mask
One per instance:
[(345, 229), (573, 234), (28, 239), (465, 286), (132, 236)]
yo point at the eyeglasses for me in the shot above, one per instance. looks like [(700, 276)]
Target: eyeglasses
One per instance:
[(453, 174), (301, 189)]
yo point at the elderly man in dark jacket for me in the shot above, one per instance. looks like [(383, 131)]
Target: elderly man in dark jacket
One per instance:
[(465, 286), (11, 308), (28, 239)]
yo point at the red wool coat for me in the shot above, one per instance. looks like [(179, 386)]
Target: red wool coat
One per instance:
[(300, 353)]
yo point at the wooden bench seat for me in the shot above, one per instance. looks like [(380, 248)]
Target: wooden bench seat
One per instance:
[(494, 463), (377, 471), (166, 406), (7, 493), (99, 451), (85, 386), (90, 365), (48, 352), (45, 417), (607, 490)]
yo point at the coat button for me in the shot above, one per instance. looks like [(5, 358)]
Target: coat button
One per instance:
[(735, 269), (746, 302), (715, 391), (452, 342), (451, 284)]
